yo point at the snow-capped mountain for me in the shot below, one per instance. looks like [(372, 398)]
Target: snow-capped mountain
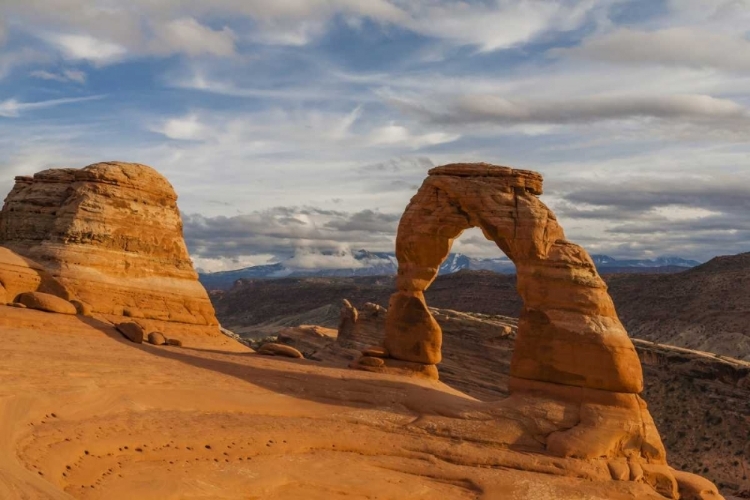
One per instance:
[(605, 261), (384, 264)]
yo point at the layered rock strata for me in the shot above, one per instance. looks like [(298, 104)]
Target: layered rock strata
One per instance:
[(569, 332), (575, 375), (109, 236)]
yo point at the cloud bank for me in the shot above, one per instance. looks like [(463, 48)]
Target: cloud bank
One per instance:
[(300, 130)]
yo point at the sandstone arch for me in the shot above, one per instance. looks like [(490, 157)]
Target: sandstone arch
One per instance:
[(569, 332)]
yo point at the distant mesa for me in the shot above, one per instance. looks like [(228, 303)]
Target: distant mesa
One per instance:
[(108, 238)]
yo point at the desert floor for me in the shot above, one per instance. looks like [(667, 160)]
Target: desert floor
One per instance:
[(86, 414)]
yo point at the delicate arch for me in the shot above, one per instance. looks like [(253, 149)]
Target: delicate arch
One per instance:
[(568, 333)]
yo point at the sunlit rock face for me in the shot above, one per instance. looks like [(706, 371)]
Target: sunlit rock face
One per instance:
[(109, 235), (568, 332), (575, 376)]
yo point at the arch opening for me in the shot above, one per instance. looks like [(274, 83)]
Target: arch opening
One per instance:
[(568, 330)]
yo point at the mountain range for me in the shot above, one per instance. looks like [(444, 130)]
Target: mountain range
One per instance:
[(385, 264)]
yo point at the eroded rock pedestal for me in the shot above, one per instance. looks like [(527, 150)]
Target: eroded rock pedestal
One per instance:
[(108, 235), (575, 375)]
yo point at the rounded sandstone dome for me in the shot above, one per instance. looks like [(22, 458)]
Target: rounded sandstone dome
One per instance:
[(132, 175)]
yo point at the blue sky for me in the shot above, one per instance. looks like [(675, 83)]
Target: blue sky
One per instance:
[(294, 127)]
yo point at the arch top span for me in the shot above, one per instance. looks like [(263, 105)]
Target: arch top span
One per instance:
[(569, 332), (514, 177)]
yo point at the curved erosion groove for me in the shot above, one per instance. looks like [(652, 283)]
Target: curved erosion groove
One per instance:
[(94, 458)]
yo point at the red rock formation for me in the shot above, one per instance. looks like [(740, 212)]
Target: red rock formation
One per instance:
[(108, 235), (569, 332), (575, 374)]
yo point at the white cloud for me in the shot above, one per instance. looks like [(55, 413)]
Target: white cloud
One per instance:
[(86, 47), (217, 264), (495, 25), (729, 16), (68, 75), (3, 33), (393, 134), (188, 36), (303, 237), (11, 108), (670, 47), (141, 27), (292, 33), (306, 258), (200, 81), (187, 128)]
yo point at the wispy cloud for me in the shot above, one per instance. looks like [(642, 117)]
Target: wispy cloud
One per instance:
[(692, 47), (344, 105), (11, 108), (397, 134), (86, 47), (496, 25), (189, 36), (13, 59), (474, 108), (68, 75)]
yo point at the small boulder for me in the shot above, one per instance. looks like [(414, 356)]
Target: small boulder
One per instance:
[(694, 487), (371, 361), (174, 342), (619, 470), (82, 308), (273, 349), (661, 478), (132, 331), (636, 472), (376, 352), (132, 312), (156, 338), (45, 302), (18, 305)]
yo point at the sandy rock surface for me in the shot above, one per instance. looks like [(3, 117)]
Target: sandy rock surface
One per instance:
[(214, 420)]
